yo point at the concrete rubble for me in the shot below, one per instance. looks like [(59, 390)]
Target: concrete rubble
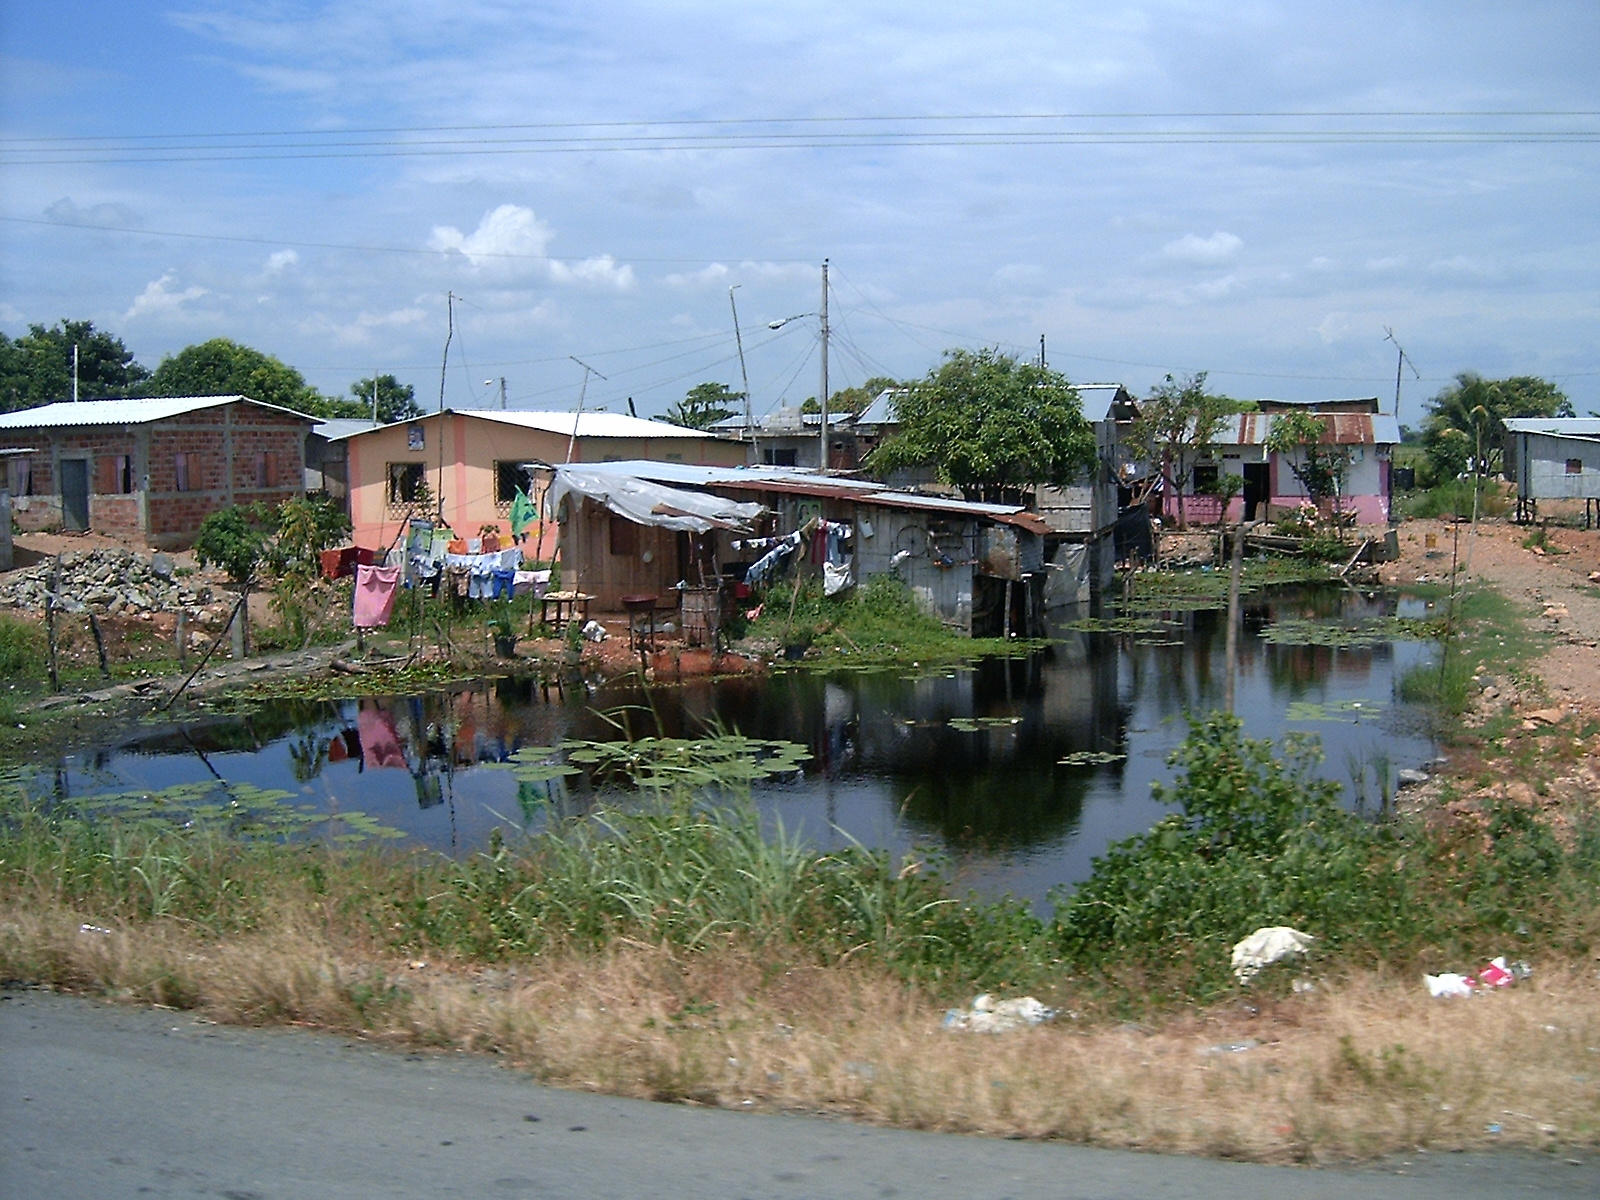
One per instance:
[(107, 582)]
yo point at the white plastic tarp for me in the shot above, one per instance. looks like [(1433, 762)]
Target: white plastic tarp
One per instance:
[(647, 503)]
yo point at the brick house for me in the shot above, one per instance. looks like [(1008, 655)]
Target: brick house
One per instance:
[(150, 468)]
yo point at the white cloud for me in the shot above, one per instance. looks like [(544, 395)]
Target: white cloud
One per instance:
[(1320, 263), (280, 261), (718, 273), (507, 232), (103, 216), (712, 273), (360, 330), (1220, 247), (511, 232), (158, 298), (602, 270), (1388, 263), (1333, 327)]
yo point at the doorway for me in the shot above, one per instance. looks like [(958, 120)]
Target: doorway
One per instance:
[(74, 494), (1257, 485)]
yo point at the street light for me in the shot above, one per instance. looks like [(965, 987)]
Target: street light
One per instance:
[(797, 317), (822, 460)]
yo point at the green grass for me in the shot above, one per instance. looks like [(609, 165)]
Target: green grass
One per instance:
[(22, 650), (1489, 634), (879, 623)]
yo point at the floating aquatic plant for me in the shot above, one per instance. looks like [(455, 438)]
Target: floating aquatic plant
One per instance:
[(1299, 632), (973, 724), (1333, 710), (1090, 758)]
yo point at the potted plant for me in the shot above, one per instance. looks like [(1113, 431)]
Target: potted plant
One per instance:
[(505, 636)]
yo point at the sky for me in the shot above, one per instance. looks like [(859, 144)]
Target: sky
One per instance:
[(1257, 190)]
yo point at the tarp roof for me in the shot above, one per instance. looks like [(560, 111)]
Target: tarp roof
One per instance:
[(647, 502), (137, 411)]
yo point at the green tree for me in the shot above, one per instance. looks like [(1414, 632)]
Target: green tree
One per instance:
[(222, 367), (1296, 438), (396, 401), (991, 426), (36, 368), (1465, 426), (235, 539), (1176, 422), (705, 405)]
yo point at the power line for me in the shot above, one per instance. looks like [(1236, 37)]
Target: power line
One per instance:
[(363, 249)]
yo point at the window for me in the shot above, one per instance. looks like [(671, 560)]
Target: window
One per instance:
[(779, 458), (508, 477), (1205, 478), (624, 536), (114, 475), (266, 469), (415, 439), (407, 484), (1574, 466), (20, 471), (181, 479)]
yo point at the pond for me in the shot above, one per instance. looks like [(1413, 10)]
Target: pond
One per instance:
[(1015, 773)]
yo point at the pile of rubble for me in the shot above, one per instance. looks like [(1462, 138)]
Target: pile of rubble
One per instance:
[(111, 582)]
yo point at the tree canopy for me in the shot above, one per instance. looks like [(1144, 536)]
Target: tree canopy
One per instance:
[(36, 368), (854, 399), (1176, 421), (989, 424), (222, 367), (1296, 438), (396, 401), (705, 405), (1466, 421)]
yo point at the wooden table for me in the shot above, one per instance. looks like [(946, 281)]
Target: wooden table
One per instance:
[(641, 622), (569, 606)]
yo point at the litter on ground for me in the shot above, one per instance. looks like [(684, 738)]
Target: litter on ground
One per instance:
[(988, 1015), (1265, 946)]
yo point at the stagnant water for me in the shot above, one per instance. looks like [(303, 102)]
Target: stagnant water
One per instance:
[(962, 762)]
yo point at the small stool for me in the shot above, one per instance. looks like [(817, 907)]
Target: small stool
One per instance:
[(641, 623)]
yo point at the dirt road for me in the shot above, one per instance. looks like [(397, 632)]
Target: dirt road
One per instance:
[(103, 1101)]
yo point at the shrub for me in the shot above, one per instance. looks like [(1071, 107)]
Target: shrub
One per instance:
[(22, 649)]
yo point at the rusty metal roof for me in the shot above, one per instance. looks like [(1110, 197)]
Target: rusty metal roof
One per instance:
[(1339, 429)]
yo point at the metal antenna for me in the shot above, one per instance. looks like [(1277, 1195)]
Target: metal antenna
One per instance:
[(1403, 361), (582, 391)]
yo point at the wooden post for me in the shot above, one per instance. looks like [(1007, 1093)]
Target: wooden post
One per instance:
[(241, 606), (181, 634), (1231, 643), (1005, 621), (99, 645), (50, 621)]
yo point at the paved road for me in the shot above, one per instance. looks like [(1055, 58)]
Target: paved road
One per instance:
[(102, 1101)]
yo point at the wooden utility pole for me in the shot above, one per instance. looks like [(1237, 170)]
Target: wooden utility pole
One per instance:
[(822, 463), (1231, 644)]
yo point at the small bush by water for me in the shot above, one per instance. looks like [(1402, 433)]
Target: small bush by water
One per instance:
[(22, 649)]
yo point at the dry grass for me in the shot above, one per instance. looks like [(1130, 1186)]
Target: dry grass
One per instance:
[(1356, 1068)]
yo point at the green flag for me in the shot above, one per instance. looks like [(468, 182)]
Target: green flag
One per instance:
[(523, 513)]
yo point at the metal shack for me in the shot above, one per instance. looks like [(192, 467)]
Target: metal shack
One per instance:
[(1554, 458), (978, 568)]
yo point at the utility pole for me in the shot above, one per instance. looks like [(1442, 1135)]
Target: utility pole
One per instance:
[(582, 391), (450, 332), (374, 395), (74, 372), (738, 340), (823, 461), (502, 393), (1042, 366)]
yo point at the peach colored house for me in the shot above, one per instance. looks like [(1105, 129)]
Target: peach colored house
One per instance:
[(473, 460)]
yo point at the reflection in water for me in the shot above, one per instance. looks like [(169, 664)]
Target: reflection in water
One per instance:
[(964, 761)]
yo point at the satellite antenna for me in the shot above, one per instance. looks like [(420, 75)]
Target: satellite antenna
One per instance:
[(1400, 363), (582, 391)]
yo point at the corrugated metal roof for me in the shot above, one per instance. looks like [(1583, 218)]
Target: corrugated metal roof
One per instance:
[(338, 428), (1556, 426), (590, 424), (140, 411), (803, 481), (1096, 397), (1342, 429)]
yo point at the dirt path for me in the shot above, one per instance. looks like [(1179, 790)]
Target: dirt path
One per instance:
[(1553, 584)]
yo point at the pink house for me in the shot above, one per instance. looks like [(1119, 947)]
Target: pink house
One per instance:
[(1270, 487)]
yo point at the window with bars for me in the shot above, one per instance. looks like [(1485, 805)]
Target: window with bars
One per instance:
[(266, 469), (406, 482), (185, 473)]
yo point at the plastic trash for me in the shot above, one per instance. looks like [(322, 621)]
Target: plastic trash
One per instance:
[(595, 632), (1232, 1047), (1270, 944), (988, 1015), (1444, 986), (1496, 974), (100, 929)]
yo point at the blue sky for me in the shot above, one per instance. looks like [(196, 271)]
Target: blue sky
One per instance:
[(1274, 263)]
